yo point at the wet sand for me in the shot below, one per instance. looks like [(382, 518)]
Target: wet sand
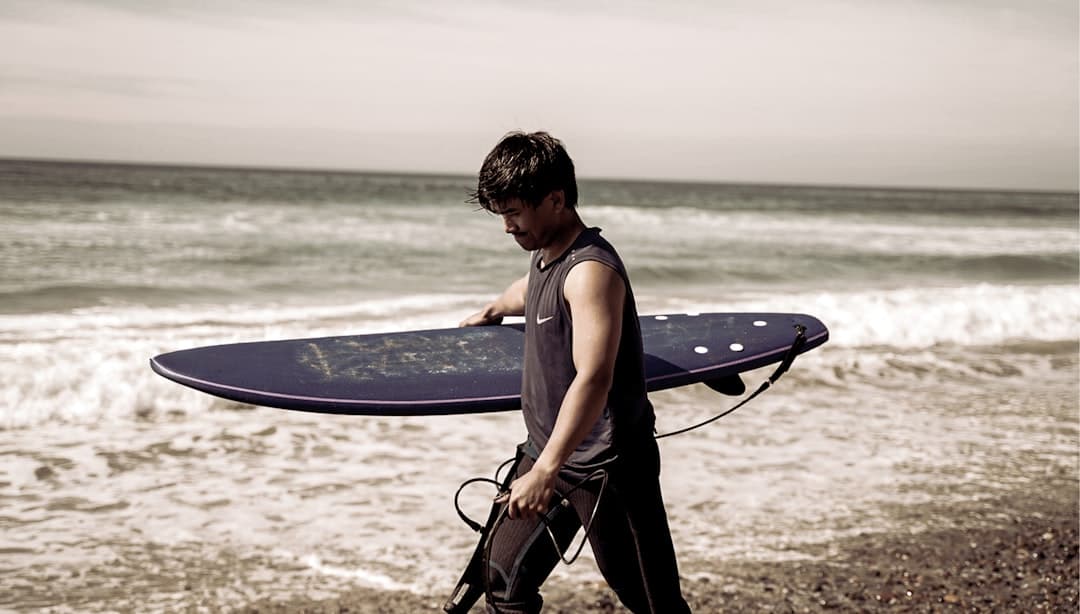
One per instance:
[(1017, 553)]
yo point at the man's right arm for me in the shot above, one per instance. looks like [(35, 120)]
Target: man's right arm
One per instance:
[(510, 303)]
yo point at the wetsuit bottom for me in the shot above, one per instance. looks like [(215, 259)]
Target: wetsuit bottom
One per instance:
[(629, 537)]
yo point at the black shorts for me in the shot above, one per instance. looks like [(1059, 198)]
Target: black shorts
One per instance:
[(629, 537)]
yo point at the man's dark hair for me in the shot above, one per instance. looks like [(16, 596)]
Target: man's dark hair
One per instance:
[(528, 166)]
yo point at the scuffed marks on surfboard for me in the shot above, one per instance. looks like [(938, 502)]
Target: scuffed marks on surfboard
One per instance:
[(314, 358), (410, 357)]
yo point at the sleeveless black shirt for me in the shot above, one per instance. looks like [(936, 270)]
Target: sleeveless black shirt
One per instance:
[(549, 367)]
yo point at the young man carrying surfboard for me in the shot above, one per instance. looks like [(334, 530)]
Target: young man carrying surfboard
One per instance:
[(590, 458)]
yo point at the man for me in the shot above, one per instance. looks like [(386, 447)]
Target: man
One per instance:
[(590, 458)]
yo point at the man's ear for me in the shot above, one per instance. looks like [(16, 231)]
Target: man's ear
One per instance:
[(558, 199)]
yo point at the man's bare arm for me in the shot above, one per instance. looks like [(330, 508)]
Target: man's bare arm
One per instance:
[(510, 303)]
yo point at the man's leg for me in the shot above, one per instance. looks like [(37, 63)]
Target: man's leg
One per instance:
[(630, 537), (522, 556), (470, 587)]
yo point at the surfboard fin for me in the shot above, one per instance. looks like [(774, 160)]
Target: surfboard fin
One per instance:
[(731, 385)]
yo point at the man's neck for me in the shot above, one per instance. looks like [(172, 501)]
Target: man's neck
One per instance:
[(563, 241)]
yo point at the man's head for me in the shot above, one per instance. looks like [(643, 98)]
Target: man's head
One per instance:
[(525, 167)]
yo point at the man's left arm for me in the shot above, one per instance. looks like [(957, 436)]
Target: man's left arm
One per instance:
[(594, 293)]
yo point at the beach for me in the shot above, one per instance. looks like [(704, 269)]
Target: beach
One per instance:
[(1022, 558), (926, 458)]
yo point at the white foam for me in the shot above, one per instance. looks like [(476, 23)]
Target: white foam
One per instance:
[(917, 317), (894, 236), (93, 364), (438, 310), (365, 577)]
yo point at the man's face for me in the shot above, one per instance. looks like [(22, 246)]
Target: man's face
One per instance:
[(530, 226)]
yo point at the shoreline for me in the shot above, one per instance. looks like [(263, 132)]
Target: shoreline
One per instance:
[(1020, 554)]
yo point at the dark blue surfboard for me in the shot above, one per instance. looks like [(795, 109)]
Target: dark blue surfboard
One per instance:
[(465, 370)]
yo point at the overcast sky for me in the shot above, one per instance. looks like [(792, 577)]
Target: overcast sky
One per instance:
[(951, 93)]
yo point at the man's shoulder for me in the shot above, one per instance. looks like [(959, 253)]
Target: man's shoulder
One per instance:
[(594, 280), (593, 244)]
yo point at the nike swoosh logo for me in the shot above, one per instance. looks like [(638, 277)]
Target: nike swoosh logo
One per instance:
[(540, 320)]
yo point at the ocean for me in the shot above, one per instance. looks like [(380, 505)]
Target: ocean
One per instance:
[(951, 374)]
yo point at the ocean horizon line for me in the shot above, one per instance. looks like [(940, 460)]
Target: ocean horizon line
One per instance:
[(313, 170)]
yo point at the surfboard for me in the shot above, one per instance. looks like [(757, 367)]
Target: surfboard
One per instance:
[(468, 370)]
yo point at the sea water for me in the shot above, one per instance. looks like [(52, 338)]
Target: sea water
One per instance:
[(950, 376)]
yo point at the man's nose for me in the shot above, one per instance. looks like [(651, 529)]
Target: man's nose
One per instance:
[(509, 226)]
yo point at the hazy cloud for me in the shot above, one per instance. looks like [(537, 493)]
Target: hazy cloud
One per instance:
[(851, 90)]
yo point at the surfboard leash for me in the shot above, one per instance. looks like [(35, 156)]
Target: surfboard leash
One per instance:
[(785, 364)]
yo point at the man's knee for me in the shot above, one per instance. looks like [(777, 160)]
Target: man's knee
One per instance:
[(530, 606), (507, 596), (502, 600)]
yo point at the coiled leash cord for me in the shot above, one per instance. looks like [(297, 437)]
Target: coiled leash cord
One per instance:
[(476, 526)]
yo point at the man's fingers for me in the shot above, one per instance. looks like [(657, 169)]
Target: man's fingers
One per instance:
[(516, 510)]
